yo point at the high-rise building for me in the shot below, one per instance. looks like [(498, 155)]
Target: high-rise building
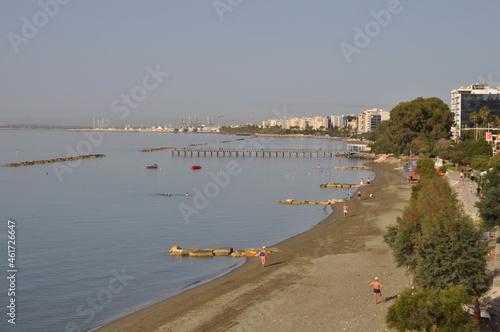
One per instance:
[(336, 121), (369, 119), (465, 101)]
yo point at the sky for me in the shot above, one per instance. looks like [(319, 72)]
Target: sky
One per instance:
[(149, 62)]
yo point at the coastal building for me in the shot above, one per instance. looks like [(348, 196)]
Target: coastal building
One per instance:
[(363, 122), (465, 101), (369, 119), (336, 121), (319, 122), (273, 123), (350, 121), (303, 123)]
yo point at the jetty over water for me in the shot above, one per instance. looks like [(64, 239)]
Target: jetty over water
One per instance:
[(257, 153)]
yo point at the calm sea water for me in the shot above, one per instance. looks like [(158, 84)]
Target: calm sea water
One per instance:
[(92, 237)]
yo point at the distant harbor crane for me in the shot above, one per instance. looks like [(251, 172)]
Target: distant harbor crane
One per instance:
[(218, 119)]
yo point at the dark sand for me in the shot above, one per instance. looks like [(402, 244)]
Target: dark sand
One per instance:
[(318, 283)]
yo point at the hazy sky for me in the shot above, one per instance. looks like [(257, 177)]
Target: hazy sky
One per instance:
[(143, 62)]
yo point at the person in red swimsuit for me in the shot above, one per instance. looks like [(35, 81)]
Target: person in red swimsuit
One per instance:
[(263, 255)]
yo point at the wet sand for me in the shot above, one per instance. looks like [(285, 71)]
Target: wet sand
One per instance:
[(319, 282)]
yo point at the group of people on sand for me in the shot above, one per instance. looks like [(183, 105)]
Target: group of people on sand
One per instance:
[(362, 182), (345, 208), (376, 285)]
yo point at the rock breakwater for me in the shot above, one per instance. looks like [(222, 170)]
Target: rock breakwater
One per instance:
[(295, 202), (158, 149), (56, 160), (210, 252)]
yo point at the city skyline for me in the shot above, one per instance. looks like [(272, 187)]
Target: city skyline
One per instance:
[(66, 62)]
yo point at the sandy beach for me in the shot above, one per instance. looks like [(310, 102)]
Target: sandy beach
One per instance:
[(319, 282)]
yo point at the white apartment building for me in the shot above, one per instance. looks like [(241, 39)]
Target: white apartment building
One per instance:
[(369, 119), (319, 121), (336, 121), (292, 122), (464, 101), (363, 122)]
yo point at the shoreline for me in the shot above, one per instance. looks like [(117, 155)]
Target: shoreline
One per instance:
[(236, 299)]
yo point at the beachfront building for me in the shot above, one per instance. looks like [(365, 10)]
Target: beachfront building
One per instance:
[(316, 123), (273, 123), (369, 119), (292, 123), (465, 101), (319, 122), (363, 122), (350, 121), (336, 121)]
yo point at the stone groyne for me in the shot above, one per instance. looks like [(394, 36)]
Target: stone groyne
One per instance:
[(158, 149), (338, 185), (210, 252), (353, 168), (56, 160), (325, 203)]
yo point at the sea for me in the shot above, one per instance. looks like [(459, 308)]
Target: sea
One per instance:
[(85, 242)]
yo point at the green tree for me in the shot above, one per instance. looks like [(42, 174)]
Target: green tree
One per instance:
[(425, 167), (480, 162), (465, 152), (428, 310), (431, 198), (452, 253), (427, 119), (489, 204), (435, 240)]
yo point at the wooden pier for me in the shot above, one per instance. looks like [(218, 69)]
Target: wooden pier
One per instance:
[(257, 153)]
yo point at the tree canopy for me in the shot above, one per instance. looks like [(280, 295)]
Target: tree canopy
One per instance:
[(489, 205), (415, 124), (430, 310), (440, 245)]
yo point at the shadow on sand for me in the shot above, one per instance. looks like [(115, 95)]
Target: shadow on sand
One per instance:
[(277, 263)]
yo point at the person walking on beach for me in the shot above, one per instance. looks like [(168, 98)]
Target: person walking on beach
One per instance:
[(361, 182), (345, 208), (359, 194), (377, 289), (263, 255), (368, 181)]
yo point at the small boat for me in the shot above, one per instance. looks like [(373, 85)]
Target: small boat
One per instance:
[(195, 167), (151, 166)]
